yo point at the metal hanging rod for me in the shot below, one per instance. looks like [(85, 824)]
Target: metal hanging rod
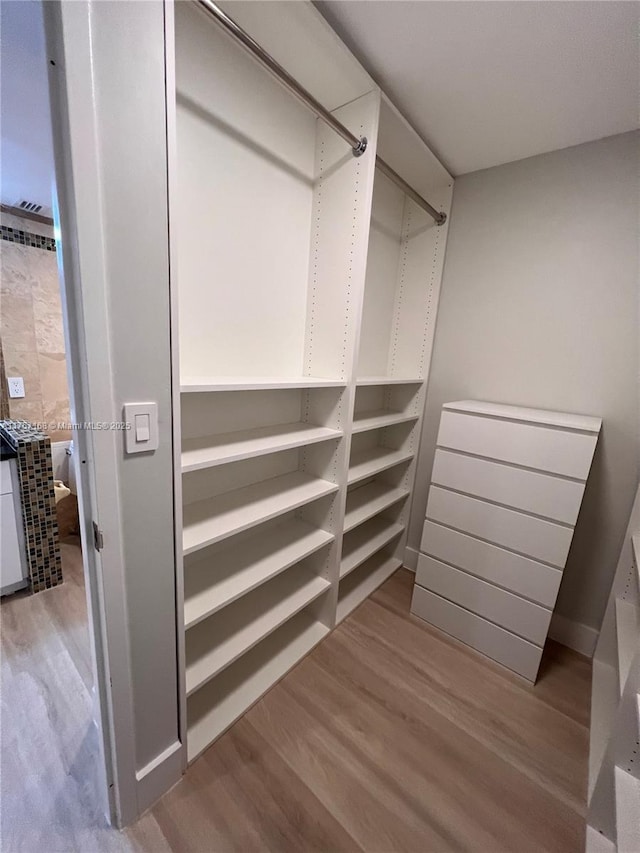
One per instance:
[(358, 145)]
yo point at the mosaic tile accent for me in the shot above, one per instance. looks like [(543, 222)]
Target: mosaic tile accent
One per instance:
[(35, 470), (26, 238)]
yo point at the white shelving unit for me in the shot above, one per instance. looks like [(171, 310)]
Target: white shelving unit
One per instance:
[(305, 288), (614, 753)]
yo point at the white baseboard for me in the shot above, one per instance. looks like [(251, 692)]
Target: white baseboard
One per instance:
[(581, 638), (159, 775), (410, 559)]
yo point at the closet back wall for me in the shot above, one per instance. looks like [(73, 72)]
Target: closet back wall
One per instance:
[(539, 307)]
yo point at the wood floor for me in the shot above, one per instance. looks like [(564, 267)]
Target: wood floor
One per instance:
[(389, 736)]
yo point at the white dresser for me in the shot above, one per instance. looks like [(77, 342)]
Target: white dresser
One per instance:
[(506, 489)]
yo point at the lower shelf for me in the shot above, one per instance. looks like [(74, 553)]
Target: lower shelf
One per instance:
[(604, 704), (218, 641), (368, 500), (217, 580), (360, 583), (627, 638), (627, 811), (365, 541), (597, 843), (368, 463), (214, 519), (216, 706)]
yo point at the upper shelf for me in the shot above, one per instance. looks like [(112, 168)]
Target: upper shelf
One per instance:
[(366, 501), (627, 638), (209, 451), (369, 462), (208, 521), (203, 384), (388, 380), (377, 420)]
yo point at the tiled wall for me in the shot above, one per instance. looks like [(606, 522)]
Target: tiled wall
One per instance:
[(31, 323), (38, 503)]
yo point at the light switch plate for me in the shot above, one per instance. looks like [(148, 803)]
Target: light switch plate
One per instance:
[(141, 433), (16, 386)]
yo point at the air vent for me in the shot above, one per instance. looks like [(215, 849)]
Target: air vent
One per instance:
[(29, 206)]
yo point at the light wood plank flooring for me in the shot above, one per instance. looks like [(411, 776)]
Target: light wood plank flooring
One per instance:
[(389, 736)]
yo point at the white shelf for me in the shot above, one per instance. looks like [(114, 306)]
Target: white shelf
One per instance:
[(627, 635), (627, 811), (388, 380), (216, 643), (365, 541), (369, 500), (216, 581), (369, 462), (604, 704), (207, 452), (212, 520), (597, 843), (217, 705), (204, 384), (382, 418), (363, 581)]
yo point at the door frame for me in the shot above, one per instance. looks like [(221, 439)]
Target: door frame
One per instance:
[(78, 216)]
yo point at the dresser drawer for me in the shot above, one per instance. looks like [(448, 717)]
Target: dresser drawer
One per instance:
[(545, 448), (533, 537), (524, 618), (521, 575), (513, 652), (542, 494)]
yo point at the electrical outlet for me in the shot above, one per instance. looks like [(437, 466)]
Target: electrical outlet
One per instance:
[(16, 386)]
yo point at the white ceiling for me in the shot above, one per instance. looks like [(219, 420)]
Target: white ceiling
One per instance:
[(483, 82), (26, 159), (487, 82)]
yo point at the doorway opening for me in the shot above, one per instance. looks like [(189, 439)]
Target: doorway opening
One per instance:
[(52, 756)]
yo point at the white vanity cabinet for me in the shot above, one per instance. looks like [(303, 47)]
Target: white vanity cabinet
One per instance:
[(13, 559)]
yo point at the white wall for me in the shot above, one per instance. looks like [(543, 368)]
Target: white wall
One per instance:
[(539, 307)]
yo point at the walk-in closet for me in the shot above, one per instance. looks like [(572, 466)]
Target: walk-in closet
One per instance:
[(352, 303)]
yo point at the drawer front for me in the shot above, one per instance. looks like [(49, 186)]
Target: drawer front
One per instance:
[(489, 562), (513, 652), (543, 448), (533, 537), (541, 494), (6, 484), (503, 608)]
